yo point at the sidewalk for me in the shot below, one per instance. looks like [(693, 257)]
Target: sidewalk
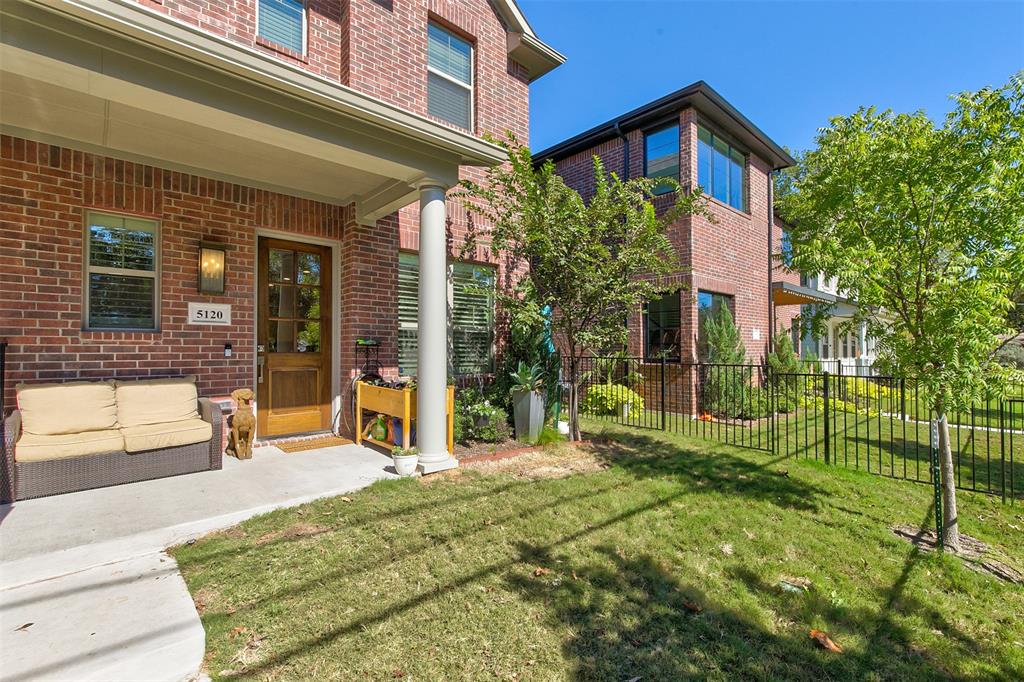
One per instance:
[(88, 570)]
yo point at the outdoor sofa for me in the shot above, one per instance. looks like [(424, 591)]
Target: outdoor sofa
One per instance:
[(90, 434)]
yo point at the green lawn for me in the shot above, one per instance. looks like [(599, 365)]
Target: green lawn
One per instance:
[(664, 565)]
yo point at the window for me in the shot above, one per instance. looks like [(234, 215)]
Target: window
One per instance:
[(472, 318), (661, 155), (121, 272), (408, 312), (471, 298), (449, 77), (662, 328), (283, 22), (708, 306), (720, 170)]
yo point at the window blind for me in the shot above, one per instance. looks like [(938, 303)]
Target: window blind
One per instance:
[(281, 22), (449, 77)]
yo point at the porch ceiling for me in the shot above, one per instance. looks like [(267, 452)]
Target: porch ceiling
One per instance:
[(77, 75)]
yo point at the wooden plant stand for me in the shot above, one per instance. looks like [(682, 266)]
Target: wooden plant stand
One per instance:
[(396, 402)]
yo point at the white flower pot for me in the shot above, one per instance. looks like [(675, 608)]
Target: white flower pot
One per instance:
[(405, 465)]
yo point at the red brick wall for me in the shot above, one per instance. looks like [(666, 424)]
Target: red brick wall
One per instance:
[(728, 255), (46, 191)]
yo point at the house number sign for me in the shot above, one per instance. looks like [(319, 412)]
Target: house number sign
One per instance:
[(209, 313)]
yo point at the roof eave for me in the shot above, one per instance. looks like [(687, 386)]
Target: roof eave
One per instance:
[(538, 57), (698, 95)]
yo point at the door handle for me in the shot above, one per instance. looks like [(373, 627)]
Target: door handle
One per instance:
[(259, 370)]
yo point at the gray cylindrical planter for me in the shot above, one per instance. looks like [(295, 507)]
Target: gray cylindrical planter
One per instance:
[(528, 410)]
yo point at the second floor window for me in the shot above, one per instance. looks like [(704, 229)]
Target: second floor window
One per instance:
[(720, 169), (662, 328), (283, 22), (449, 77), (661, 155)]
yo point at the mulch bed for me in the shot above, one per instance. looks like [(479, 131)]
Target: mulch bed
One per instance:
[(479, 451), (976, 555)]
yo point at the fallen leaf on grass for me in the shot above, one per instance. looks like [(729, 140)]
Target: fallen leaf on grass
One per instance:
[(26, 626), (489, 522), (692, 607), (726, 549), (825, 642), (539, 571), (346, 498), (236, 631)]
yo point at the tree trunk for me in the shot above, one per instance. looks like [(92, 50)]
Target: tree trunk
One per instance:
[(574, 399), (950, 527)]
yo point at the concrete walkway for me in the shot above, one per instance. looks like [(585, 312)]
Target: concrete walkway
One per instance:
[(88, 570)]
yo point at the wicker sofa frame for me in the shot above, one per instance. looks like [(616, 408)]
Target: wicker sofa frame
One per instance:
[(25, 480)]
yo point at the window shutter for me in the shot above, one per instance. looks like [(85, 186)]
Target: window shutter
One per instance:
[(281, 22), (472, 318), (408, 312)]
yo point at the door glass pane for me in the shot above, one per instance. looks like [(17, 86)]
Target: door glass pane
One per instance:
[(282, 300), (282, 265), (281, 336), (309, 303), (309, 268), (309, 337)]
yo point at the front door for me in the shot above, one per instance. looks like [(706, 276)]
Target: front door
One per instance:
[(293, 338)]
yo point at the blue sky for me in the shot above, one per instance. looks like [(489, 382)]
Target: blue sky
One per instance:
[(788, 66)]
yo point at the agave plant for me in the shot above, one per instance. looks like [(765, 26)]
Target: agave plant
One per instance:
[(527, 378)]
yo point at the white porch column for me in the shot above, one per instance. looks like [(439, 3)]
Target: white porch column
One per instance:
[(432, 379)]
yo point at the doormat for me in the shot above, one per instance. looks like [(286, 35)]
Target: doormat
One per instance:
[(312, 443)]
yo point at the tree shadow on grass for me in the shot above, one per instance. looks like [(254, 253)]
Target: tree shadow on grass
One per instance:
[(713, 471), (630, 617)]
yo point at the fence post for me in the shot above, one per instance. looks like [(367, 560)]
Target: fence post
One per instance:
[(903, 398), (936, 483), (663, 421), (828, 433)]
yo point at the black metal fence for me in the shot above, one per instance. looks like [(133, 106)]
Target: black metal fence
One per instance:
[(879, 424)]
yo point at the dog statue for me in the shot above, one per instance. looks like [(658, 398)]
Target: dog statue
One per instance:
[(243, 424)]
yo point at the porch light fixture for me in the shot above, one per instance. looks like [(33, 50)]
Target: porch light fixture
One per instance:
[(211, 267)]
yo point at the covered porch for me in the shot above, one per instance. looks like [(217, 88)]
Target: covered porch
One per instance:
[(211, 140)]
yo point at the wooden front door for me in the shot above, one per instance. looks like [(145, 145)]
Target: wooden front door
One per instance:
[(293, 338)]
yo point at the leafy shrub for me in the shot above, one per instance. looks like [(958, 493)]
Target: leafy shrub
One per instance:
[(478, 419), (608, 398)]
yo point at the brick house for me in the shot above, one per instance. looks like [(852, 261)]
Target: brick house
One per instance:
[(226, 189), (697, 137)]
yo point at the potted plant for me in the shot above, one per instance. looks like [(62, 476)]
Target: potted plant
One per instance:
[(405, 460), (528, 402)]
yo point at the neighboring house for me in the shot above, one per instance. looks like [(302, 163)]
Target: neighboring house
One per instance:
[(695, 136), (840, 349), (297, 153)]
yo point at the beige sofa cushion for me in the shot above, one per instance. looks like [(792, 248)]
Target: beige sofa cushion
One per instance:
[(166, 434), (155, 401), (35, 448), (73, 407)]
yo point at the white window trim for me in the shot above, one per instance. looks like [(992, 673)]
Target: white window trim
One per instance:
[(305, 27), (471, 86), (88, 268)]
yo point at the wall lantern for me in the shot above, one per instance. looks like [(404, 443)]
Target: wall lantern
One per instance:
[(211, 267)]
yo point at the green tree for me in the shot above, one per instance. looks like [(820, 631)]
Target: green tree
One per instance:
[(783, 370), (923, 224), (725, 377), (592, 261)]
